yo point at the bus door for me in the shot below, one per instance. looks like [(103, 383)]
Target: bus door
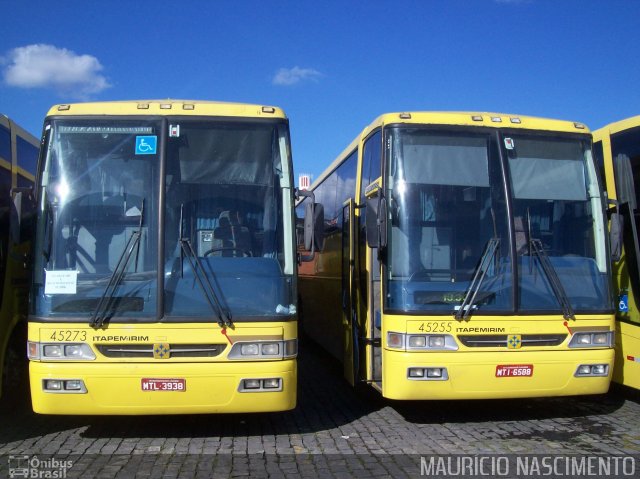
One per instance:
[(374, 326), (626, 195), (349, 317)]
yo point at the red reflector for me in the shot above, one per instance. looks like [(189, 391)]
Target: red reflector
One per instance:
[(631, 358)]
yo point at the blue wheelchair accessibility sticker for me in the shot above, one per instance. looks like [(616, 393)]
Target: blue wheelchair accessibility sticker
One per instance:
[(623, 305), (146, 145)]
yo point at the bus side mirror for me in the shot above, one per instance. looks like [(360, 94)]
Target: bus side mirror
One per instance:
[(616, 232), (313, 225), (371, 222), (23, 207), (376, 219)]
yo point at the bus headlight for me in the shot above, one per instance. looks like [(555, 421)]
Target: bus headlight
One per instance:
[(421, 342), (601, 339), (250, 349), (68, 386), (60, 351), (259, 385), (590, 370), (270, 349), (52, 351), (596, 339), (254, 350), (428, 374)]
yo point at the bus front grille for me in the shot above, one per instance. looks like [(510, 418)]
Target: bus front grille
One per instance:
[(146, 350), (501, 340)]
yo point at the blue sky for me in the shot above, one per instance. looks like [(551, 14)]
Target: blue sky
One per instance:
[(332, 65)]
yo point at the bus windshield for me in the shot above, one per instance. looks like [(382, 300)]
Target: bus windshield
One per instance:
[(447, 202), (94, 180), (557, 203), (221, 187), (227, 186), (449, 224)]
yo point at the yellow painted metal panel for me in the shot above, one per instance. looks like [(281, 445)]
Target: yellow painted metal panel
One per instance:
[(473, 375), (116, 388), (167, 108)]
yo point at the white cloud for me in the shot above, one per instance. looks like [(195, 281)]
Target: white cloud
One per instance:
[(291, 76), (46, 66)]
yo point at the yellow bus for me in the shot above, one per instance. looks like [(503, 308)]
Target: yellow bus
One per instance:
[(463, 256), (18, 159), (165, 261), (617, 149)]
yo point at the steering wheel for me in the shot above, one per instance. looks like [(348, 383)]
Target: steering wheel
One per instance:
[(245, 253)]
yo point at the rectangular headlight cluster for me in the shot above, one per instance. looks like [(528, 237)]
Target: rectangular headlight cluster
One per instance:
[(64, 386), (428, 374), (60, 351), (596, 339), (260, 385), (591, 370), (421, 342), (252, 350)]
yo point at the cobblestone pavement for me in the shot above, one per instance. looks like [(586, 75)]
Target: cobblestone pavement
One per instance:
[(334, 432)]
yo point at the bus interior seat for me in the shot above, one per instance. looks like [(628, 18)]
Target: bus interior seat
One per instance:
[(230, 233)]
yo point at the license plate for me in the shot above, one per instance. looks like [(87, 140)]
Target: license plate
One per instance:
[(514, 370), (179, 385)]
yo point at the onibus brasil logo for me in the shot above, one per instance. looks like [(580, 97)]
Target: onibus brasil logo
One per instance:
[(36, 468)]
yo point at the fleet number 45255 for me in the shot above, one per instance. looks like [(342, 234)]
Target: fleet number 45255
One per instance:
[(435, 327)]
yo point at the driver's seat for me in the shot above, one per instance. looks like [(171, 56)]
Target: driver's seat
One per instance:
[(230, 234)]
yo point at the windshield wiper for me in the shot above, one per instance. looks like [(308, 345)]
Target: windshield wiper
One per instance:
[(464, 310), (200, 275), (553, 278), (105, 304)]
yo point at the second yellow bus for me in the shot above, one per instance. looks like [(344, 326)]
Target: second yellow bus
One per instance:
[(617, 149), (464, 256)]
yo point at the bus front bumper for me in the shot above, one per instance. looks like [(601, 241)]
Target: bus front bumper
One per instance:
[(493, 375), (173, 388)]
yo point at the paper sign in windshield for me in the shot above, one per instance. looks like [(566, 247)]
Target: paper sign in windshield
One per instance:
[(60, 282)]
